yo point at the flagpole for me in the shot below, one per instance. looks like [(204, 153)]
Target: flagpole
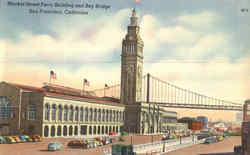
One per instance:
[(83, 88), (104, 91)]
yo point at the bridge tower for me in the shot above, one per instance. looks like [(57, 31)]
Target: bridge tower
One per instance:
[(131, 73)]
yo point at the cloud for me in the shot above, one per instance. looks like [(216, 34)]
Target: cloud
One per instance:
[(198, 20), (76, 44)]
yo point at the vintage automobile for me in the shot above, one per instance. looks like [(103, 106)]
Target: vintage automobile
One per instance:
[(54, 146), (106, 140), (17, 139), (22, 138), (2, 140), (28, 138), (10, 140), (220, 138), (78, 144), (210, 140), (36, 138)]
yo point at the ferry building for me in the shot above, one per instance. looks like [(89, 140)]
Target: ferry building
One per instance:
[(55, 111)]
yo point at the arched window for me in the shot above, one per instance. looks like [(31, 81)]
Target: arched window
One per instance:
[(103, 115), (46, 131), (107, 115), (117, 116), (114, 116), (70, 131), (95, 114), (59, 131), (76, 131), (47, 111), (53, 112), (77, 114), (71, 113), (99, 115), (52, 133), (59, 113), (81, 114), (65, 131), (66, 111), (90, 114), (110, 115), (86, 114)]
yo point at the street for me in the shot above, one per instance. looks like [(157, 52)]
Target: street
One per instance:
[(39, 148)]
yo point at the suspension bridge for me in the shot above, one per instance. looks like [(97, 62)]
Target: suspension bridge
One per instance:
[(159, 92)]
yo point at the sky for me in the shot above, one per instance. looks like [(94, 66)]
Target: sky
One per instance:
[(198, 45)]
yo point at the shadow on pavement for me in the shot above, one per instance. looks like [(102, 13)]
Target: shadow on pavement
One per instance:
[(225, 153)]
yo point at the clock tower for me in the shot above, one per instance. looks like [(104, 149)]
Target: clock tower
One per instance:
[(132, 63)]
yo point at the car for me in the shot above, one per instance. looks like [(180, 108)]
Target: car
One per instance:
[(54, 146), (34, 138), (28, 139), (22, 138), (106, 140), (220, 138), (210, 140), (17, 139), (37, 137), (10, 140), (78, 143), (2, 140)]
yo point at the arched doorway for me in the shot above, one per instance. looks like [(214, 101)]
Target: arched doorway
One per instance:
[(70, 131), (76, 131), (98, 130), (65, 131), (94, 133), (46, 131), (52, 131), (107, 129), (59, 131)]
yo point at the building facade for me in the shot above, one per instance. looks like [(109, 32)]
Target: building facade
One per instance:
[(54, 112), (204, 121)]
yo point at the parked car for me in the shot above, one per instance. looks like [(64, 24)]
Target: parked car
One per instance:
[(17, 139), (10, 140), (22, 138), (2, 140), (34, 138), (28, 138), (38, 137), (210, 140), (78, 143), (220, 138), (54, 146), (106, 140)]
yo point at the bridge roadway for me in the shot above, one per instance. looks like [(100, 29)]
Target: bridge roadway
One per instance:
[(197, 106)]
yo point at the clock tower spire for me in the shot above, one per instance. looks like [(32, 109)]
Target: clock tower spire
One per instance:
[(132, 63)]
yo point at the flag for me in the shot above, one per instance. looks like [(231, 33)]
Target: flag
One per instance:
[(106, 85), (52, 75), (86, 82)]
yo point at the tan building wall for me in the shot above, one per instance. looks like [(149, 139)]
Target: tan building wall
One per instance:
[(26, 125)]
